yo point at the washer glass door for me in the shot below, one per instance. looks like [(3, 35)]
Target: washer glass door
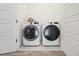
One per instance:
[(51, 32), (30, 32)]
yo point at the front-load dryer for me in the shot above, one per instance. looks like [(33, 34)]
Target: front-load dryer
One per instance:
[(51, 34), (31, 34)]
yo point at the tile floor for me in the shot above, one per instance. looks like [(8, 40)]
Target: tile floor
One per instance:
[(35, 53)]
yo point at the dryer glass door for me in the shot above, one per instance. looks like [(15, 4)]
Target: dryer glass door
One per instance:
[(51, 32), (30, 32)]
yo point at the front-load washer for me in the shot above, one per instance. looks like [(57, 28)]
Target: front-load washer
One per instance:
[(51, 34), (31, 34)]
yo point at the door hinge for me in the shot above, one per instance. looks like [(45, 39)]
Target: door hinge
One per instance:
[(16, 21), (16, 40)]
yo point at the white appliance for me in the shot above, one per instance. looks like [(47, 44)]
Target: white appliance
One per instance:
[(51, 33), (31, 34)]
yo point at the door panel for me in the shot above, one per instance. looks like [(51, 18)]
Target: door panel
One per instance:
[(70, 30), (7, 28)]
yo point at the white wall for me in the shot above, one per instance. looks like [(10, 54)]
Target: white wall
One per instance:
[(45, 12), (70, 29), (21, 14), (40, 12)]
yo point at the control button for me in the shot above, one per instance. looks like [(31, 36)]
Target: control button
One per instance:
[(50, 22)]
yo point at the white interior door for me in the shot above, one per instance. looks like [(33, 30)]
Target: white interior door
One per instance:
[(70, 30), (7, 28)]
